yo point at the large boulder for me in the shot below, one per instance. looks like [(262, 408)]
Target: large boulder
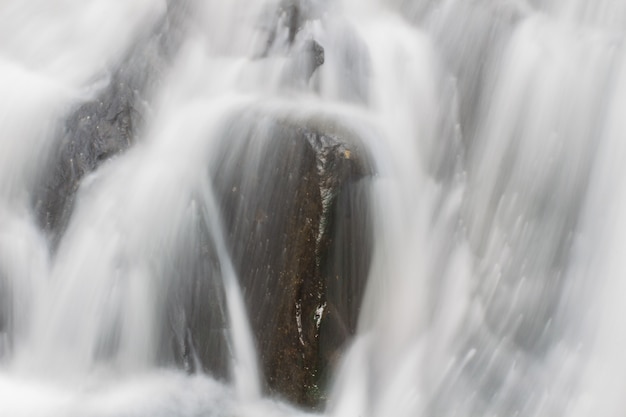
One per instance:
[(295, 207)]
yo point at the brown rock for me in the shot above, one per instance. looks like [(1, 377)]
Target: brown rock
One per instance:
[(294, 205)]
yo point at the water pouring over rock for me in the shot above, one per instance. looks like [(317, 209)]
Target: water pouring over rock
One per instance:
[(311, 207)]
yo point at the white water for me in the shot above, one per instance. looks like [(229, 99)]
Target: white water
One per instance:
[(497, 131)]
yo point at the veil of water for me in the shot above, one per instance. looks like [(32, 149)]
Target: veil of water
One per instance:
[(497, 133)]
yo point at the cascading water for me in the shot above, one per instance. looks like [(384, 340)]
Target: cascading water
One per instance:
[(151, 152)]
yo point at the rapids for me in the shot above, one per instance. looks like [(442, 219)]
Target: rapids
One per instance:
[(496, 129)]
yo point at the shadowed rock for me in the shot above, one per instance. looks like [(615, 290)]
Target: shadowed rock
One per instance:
[(290, 16), (304, 61), (101, 128), (294, 201)]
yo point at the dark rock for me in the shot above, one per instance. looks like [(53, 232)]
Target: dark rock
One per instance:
[(303, 63), (101, 128), (288, 16), (305, 53), (292, 15), (314, 55), (95, 132), (286, 28), (294, 200)]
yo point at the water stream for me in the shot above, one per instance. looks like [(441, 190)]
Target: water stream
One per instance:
[(496, 133)]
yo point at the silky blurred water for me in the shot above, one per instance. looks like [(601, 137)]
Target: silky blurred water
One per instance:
[(497, 131)]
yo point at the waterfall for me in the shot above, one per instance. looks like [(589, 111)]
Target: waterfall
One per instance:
[(344, 208)]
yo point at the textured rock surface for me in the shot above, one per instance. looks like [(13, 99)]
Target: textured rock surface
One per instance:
[(99, 129), (295, 211)]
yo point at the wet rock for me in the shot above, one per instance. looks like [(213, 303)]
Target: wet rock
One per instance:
[(94, 133), (313, 56), (288, 30), (289, 17), (290, 11), (294, 200), (99, 129), (283, 27), (303, 63)]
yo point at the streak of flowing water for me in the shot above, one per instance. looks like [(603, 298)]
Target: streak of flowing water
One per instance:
[(495, 130)]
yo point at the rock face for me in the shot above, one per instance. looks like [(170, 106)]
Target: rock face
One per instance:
[(294, 202), (99, 129), (94, 133), (293, 198)]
